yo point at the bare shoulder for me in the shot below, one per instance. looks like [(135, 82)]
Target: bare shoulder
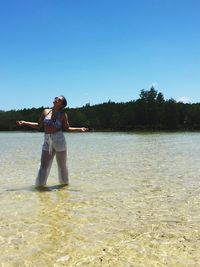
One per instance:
[(64, 115), (46, 111)]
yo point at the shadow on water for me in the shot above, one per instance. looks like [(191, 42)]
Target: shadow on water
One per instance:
[(50, 188), (39, 189)]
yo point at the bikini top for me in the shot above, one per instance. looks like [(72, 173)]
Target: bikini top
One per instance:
[(56, 122)]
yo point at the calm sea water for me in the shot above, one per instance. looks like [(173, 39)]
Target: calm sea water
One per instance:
[(133, 200)]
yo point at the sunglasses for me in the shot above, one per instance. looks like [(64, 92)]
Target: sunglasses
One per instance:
[(58, 99)]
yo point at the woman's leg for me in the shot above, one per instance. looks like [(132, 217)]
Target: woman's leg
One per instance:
[(45, 166), (61, 158)]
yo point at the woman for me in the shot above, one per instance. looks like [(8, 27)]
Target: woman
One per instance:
[(54, 121)]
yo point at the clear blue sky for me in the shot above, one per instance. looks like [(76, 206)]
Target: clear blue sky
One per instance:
[(93, 51)]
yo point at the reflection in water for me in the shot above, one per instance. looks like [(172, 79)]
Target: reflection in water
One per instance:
[(133, 200)]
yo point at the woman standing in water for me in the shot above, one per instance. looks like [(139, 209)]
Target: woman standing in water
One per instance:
[(54, 121)]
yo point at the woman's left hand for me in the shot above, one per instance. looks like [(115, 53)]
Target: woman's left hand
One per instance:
[(83, 129)]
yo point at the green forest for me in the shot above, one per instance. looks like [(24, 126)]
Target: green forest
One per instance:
[(149, 112)]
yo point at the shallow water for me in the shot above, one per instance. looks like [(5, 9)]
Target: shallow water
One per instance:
[(133, 200)]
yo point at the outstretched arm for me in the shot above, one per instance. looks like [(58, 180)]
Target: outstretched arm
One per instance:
[(35, 125), (67, 127), (81, 129)]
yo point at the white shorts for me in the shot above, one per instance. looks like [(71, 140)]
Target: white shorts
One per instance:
[(54, 141)]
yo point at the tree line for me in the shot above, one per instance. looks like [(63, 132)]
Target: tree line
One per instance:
[(149, 112)]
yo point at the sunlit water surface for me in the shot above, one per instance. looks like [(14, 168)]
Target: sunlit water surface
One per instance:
[(133, 200)]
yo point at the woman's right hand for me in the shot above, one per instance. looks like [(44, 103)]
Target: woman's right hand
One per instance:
[(20, 123)]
